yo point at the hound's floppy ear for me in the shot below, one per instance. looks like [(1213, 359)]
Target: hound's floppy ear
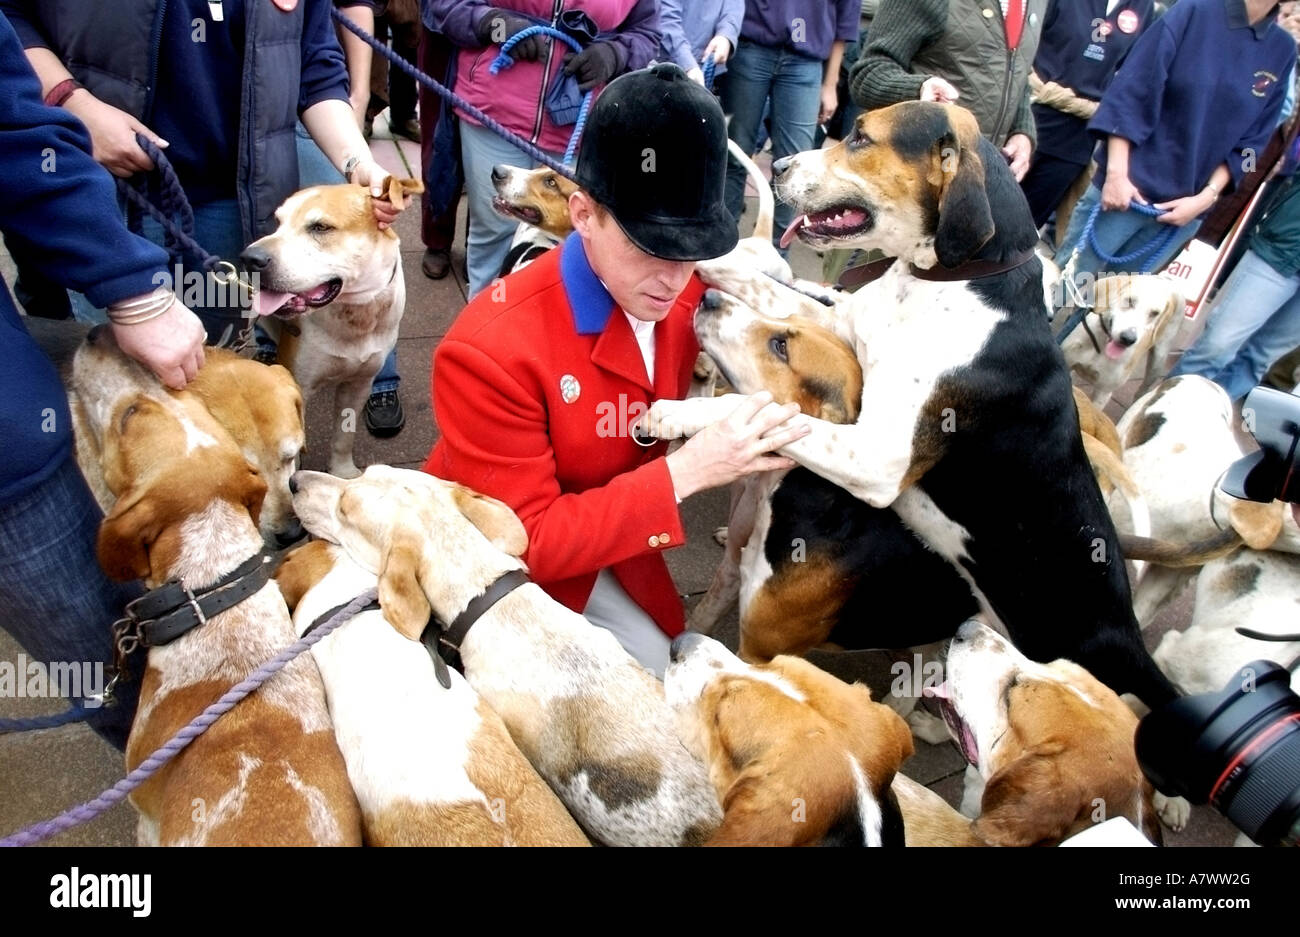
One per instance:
[(397, 190), (965, 217), (494, 519), (125, 537), (1028, 802), (402, 583), (1258, 524)]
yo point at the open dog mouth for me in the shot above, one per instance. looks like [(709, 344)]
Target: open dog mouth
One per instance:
[(834, 223), (525, 213), (957, 727), (293, 305)]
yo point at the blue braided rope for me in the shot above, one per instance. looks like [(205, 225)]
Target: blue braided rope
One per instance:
[(173, 205), (504, 60), (178, 742), (68, 716), (1152, 247), (709, 67), (540, 156)]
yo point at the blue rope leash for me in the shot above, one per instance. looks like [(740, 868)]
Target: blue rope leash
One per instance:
[(175, 214), (542, 157), (505, 60), (1154, 247), (709, 67), (178, 742)]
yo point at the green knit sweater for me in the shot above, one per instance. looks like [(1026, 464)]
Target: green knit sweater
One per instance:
[(961, 41)]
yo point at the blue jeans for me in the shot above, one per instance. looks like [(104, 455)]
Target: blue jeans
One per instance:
[(218, 230), (794, 84), (1119, 233), (490, 232), (54, 599), (1254, 321)]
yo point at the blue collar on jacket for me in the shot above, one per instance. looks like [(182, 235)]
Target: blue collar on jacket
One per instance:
[(588, 298)]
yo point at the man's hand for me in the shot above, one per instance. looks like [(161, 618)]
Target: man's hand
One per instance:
[(370, 174), (1118, 192), (830, 100), (1018, 151), (737, 446), (594, 65), (937, 89), (1180, 211), (112, 132), (171, 346), (720, 46)]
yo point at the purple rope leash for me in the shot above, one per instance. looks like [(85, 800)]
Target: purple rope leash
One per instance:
[(541, 157), (177, 744)]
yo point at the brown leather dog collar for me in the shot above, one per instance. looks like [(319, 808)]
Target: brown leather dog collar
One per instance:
[(973, 269)]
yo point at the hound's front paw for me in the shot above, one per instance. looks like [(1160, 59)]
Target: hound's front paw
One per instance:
[(661, 421)]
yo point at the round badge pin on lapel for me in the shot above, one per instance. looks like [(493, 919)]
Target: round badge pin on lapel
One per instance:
[(569, 388)]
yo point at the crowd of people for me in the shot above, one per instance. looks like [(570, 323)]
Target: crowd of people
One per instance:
[(1173, 103)]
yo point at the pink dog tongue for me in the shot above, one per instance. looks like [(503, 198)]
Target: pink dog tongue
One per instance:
[(792, 231), (266, 302), (1114, 350)]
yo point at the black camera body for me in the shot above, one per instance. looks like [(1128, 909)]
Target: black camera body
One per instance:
[(1272, 473)]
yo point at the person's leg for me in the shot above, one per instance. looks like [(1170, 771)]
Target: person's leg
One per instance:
[(54, 599), (1253, 293), (796, 98), (1274, 339), (437, 232), (1046, 183), (401, 86), (490, 233), (749, 77), (611, 608), (218, 230)]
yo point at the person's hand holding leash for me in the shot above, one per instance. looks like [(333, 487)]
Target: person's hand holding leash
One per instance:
[(1018, 151), (743, 443), (720, 48), (1118, 192), (829, 101), (112, 132), (170, 345), (594, 65), (496, 26), (1180, 211), (939, 90)]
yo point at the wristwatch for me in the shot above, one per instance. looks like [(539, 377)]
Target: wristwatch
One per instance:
[(350, 167)]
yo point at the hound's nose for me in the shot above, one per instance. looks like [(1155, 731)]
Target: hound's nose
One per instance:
[(781, 165), (92, 337), (1127, 337), (500, 172), (293, 483), (291, 534), (256, 258), (712, 300)]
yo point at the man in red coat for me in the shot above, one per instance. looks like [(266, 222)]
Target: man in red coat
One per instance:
[(539, 383)]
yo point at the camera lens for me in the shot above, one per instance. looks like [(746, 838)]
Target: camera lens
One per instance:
[(1238, 750)]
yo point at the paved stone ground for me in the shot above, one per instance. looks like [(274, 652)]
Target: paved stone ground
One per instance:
[(43, 773)]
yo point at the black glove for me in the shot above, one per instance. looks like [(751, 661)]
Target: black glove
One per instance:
[(496, 26), (594, 65)]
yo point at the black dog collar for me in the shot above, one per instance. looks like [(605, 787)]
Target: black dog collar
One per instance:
[(443, 640), (162, 615)]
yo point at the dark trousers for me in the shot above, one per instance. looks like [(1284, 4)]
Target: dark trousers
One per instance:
[(436, 231), (1046, 183)]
